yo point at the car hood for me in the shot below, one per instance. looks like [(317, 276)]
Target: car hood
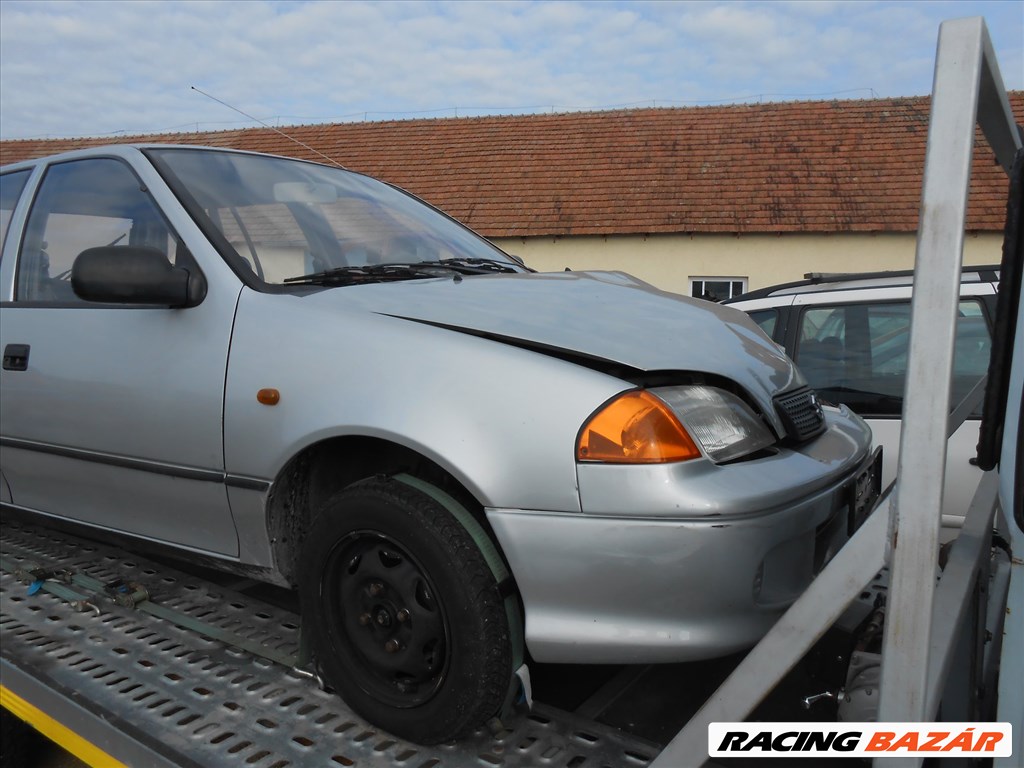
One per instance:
[(608, 316)]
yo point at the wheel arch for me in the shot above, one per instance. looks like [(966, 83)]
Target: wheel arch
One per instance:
[(323, 468)]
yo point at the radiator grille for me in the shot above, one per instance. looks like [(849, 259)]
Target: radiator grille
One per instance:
[(801, 413)]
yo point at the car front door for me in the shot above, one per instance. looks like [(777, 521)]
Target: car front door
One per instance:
[(112, 415)]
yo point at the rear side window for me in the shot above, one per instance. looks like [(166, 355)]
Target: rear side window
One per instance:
[(84, 204), (857, 354), (11, 185)]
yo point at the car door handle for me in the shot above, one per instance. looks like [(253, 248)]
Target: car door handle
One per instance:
[(16, 357)]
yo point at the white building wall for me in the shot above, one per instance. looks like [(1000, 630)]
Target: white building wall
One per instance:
[(671, 261)]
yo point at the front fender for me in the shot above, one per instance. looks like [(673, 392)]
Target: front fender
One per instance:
[(501, 420)]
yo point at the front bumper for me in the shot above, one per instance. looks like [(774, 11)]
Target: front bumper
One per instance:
[(603, 588)]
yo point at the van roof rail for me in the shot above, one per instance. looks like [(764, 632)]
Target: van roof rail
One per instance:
[(986, 273)]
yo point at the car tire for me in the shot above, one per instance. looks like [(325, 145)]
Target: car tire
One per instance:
[(403, 613)]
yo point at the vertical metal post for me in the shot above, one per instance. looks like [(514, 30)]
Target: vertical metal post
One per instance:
[(1011, 478), (921, 472), (968, 88), (968, 562)]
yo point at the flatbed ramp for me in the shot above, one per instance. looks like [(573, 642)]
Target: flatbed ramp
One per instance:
[(121, 684)]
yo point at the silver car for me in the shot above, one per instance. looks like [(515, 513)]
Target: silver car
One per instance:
[(461, 464)]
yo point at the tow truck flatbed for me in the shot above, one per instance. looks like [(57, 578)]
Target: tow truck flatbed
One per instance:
[(114, 684)]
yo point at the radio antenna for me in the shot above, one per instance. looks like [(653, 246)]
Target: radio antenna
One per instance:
[(331, 160)]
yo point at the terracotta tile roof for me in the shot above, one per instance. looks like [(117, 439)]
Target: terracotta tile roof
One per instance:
[(822, 166)]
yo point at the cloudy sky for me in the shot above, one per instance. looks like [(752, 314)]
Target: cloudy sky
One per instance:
[(102, 68)]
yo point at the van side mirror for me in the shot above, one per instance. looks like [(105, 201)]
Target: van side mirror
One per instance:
[(134, 275)]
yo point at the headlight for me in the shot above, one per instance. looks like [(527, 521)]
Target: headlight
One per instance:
[(635, 428), (723, 424), (666, 424)]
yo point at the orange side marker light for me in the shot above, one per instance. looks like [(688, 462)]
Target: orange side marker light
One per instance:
[(268, 396)]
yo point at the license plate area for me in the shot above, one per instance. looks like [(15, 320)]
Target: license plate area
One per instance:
[(864, 491)]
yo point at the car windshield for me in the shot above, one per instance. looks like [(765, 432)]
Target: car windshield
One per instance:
[(290, 221)]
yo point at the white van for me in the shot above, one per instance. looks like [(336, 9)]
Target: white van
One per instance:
[(849, 336)]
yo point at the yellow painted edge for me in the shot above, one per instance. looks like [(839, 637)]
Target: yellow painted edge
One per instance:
[(84, 750)]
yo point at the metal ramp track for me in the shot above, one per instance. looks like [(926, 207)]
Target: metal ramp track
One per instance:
[(169, 696)]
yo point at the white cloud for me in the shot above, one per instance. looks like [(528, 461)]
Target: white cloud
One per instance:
[(88, 68)]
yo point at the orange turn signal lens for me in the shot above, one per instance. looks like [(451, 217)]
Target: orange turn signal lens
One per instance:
[(635, 428), (268, 397)]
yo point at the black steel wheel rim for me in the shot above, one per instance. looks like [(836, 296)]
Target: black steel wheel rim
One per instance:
[(386, 619)]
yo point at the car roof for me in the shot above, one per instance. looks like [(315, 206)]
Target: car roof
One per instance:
[(817, 282), (118, 150)]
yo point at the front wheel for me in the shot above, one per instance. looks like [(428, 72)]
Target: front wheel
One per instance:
[(404, 613)]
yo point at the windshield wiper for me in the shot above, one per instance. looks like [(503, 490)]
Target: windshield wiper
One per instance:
[(478, 265), (367, 273), (379, 273)]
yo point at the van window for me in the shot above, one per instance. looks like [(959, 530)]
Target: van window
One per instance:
[(766, 319), (856, 354)]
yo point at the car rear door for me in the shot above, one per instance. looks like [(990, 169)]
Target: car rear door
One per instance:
[(112, 415)]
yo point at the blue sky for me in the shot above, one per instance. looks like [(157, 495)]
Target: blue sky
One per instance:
[(107, 68)]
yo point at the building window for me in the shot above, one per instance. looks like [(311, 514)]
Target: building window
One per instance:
[(717, 288)]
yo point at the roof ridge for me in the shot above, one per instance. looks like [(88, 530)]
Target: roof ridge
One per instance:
[(589, 112), (823, 165)]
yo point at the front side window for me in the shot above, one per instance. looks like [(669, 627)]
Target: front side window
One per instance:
[(11, 185), (277, 219), (85, 204), (857, 354)]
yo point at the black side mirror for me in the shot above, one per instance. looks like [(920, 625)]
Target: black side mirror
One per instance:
[(134, 275)]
